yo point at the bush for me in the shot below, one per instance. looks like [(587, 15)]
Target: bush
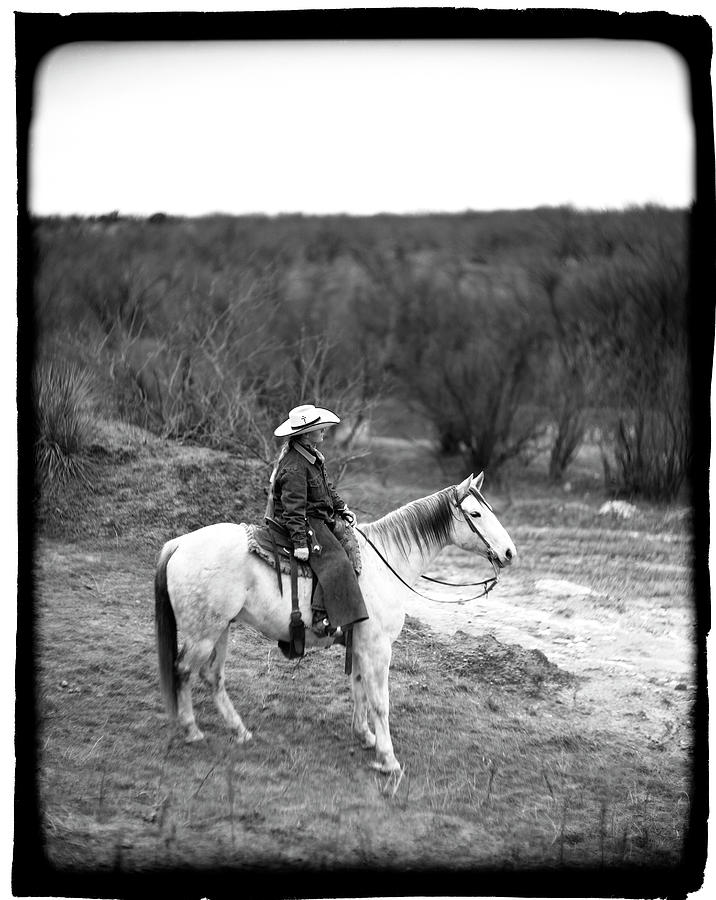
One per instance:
[(650, 457), (63, 421), (498, 327), (650, 450), (638, 310), (464, 354), (566, 369)]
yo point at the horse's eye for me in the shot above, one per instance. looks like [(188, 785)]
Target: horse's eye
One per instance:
[(475, 515)]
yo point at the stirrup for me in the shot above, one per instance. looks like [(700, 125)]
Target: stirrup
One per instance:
[(321, 625)]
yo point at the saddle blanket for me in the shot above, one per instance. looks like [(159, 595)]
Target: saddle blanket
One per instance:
[(261, 543)]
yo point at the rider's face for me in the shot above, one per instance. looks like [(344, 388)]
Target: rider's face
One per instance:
[(313, 437)]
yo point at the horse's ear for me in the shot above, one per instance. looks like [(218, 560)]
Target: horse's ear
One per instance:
[(478, 481), (462, 489)]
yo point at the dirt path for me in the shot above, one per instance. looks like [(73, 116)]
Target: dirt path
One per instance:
[(635, 660)]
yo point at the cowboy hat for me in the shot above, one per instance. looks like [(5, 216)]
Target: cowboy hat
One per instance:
[(303, 419)]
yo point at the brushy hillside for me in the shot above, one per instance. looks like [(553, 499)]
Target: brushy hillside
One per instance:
[(143, 490), (512, 773), (502, 330)]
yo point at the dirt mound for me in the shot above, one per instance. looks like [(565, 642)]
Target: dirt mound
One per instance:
[(488, 660), (506, 665), (139, 486)]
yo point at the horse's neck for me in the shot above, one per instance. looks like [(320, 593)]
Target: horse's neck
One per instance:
[(412, 566), (409, 560)]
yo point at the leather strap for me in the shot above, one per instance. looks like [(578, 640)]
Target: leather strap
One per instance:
[(487, 585), (294, 585), (349, 650), (277, 561), (296, 628)]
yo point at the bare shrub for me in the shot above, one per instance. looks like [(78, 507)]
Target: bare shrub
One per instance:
[(463, 353), (638, 310), (650, 456), (568, 368), (650, 448), (478, 399), (197, 383), (230, 370)]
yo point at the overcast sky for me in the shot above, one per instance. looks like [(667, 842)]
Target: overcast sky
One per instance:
[(359, 127)]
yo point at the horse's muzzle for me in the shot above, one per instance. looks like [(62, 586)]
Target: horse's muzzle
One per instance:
[(505, 559)]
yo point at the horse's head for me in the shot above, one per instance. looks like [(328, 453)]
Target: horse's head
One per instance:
[(478, 528)]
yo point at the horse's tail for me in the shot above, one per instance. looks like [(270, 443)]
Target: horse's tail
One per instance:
[(165, 626)]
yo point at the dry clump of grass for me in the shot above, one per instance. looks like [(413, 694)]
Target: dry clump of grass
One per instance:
[(63, 398)]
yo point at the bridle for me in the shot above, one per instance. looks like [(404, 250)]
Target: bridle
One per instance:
[(487, 585)]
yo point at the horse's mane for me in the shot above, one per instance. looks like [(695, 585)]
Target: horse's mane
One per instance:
[(426, 522)]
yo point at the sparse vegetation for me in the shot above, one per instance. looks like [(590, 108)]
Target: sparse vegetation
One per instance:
[(505, 330)]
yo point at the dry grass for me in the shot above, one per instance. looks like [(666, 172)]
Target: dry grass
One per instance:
[(485, 781)]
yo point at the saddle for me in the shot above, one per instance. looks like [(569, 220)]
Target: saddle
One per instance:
[(266, 540), (272, 543)]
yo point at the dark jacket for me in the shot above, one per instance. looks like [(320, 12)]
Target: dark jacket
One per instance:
[(301, 491)]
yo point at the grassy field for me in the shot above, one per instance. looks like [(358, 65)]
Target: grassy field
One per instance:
[(531, 756)]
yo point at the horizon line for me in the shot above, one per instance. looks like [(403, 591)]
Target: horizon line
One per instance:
[(116, 214)]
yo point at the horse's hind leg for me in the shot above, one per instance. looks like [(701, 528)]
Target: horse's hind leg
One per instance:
[(190, 658), (361, 729), (213, 674)]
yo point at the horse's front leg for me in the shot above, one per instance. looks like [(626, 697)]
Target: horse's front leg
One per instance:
[(361, 728), (373, 664)]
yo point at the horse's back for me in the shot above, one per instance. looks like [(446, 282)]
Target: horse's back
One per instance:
[(219, 537), (207, 572)]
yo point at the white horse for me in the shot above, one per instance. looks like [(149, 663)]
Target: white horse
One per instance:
[(207, 579)]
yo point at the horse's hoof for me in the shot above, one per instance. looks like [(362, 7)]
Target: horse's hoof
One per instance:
[(193, 735), (242, 737), (388, 767)]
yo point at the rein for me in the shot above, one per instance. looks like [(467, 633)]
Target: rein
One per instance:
[(488, 584)]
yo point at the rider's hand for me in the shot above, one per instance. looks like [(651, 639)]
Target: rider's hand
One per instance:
[(301, 553), (349, 516)]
